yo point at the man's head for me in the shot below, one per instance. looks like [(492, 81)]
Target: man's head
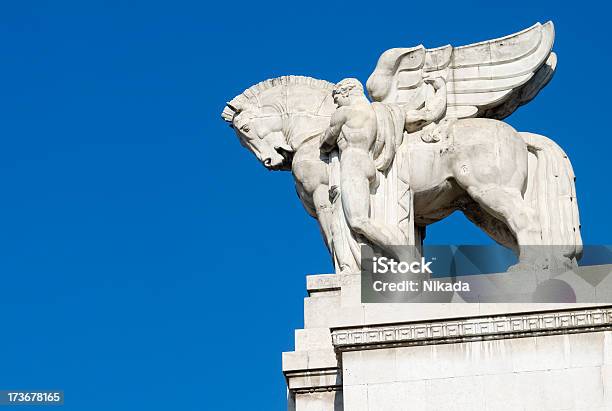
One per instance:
[(345, 89)]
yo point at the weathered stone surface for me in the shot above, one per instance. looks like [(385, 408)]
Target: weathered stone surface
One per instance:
[(316, 401), (448, 356), (564, 372), (431, 142), (378, 172)]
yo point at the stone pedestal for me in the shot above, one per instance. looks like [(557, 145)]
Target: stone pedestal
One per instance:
[(378, 357)]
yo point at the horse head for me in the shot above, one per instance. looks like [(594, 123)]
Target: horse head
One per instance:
[(272, 117), (259, 131)]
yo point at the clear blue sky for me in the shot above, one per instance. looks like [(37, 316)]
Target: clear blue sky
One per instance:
[(148, 262)]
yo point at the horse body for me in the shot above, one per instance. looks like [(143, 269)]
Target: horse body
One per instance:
[(474, 153), (480, 166)]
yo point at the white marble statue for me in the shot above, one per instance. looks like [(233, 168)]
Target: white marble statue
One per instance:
[(431, 143)]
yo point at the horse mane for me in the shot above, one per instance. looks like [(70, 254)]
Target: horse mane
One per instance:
[(249, 96)]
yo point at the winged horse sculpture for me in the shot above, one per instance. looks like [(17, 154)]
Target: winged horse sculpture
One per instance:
[(518, 187)]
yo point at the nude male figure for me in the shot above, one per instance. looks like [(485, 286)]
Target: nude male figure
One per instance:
[(353, 128)]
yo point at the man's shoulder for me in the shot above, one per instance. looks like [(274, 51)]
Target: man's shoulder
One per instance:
[(341, 112), (359, 108)]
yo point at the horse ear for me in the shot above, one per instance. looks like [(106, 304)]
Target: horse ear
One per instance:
[(239, 106), (235, 107)]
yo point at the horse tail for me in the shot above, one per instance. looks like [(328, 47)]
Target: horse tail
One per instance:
[(551, 191)]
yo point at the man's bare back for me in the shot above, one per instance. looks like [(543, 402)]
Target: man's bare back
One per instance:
[(358, 127)]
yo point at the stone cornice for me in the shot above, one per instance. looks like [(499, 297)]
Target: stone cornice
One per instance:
[(319, 380), (322, 283), (473, 329)]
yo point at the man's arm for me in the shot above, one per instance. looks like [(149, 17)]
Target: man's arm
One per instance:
[(434, 109), (328, 140)]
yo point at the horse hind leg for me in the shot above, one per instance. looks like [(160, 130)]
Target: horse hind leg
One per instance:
[(491, 225), (508, 205)]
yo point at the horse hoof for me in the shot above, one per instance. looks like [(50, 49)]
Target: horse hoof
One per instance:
[(522, 267)]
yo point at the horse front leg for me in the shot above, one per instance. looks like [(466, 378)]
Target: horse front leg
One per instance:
[(323, 211), (317, 204), (331, 229)]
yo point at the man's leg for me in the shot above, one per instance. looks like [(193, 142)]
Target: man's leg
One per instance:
[(355, 191)]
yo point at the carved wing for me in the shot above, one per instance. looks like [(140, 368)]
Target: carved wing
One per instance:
[(488, 79)]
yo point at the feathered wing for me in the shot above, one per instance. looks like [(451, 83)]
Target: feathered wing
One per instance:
[(488, 79)]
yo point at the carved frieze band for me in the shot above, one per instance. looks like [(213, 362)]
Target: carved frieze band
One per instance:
[(483, 328)]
